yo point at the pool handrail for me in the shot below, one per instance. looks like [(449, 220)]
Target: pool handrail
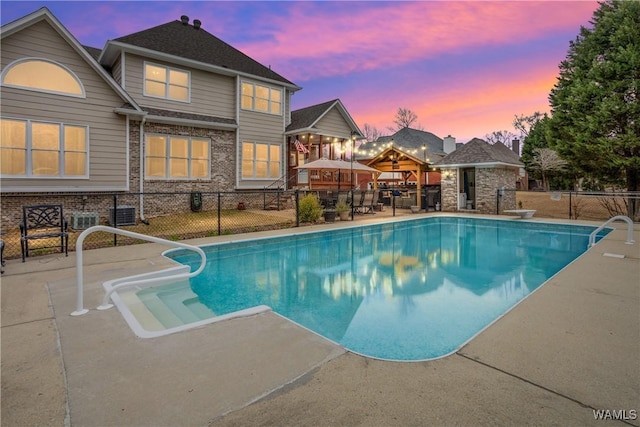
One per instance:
[(592, 236), (80, 310)]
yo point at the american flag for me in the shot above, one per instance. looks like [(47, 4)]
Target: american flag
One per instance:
[(300, 147)]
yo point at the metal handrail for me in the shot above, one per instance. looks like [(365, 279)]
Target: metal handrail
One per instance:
[(592, 236), (80, 310)]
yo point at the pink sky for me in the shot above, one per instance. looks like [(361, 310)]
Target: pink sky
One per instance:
[(465, 68)]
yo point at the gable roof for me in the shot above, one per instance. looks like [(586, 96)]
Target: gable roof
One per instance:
[(409, 141), (478, 151), (177, 41), (43, 14), (306, 119), (415, 138)]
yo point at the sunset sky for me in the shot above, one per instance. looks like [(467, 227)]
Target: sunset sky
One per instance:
[(465, 68)]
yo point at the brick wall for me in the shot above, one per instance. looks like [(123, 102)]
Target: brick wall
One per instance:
[(488, 181), (449, 190), (223, 170)]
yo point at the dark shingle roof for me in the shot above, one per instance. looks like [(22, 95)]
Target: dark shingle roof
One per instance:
[(175, 38), (409, 140), (478, 151), (188, 116), (306, 117), (94, 52)]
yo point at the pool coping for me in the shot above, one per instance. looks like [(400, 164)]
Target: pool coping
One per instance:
[(26, 308)]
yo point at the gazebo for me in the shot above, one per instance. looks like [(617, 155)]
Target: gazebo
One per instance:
[(396, 161)]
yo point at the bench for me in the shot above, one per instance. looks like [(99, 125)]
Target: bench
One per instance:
[(524, 213), (43, 222)]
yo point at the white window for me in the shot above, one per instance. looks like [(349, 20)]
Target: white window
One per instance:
[(261, 98), (165, 82), (177, 157), (37, 149), (260, 160), (43, 76)]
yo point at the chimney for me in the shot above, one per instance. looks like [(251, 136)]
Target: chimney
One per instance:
[(184, 19), (515, 146), (197, 24), (448, 144)]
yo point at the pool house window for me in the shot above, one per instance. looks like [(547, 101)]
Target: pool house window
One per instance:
[(166, 82), (260, 161), (43, 150), (177, 157), (261, 98)]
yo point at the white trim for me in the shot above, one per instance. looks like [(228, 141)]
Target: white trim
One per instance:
[(59, 189), (269, 101), (477, 165), (167, 82), (167, 177), (189, 122), (28, 148), (9, 67), (105, 57), (44, 14)]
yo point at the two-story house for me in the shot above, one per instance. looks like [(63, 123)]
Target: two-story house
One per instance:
[(169, 108)]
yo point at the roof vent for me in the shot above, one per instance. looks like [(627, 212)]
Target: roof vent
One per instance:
[(184, 19), (197, 24)]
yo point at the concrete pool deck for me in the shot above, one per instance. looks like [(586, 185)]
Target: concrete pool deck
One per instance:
[(571, 348)]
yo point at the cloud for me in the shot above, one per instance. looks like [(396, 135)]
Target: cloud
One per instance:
[(325, 39), (482, 101)]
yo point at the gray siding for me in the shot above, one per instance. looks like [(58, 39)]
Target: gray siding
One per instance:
[(116, 71), (211, 94), (107, 131), (264, 128), (333, 124)]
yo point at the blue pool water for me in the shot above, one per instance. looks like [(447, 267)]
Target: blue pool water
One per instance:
[(409, 290)]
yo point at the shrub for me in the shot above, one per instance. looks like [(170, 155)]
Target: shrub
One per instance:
[(310, 209)]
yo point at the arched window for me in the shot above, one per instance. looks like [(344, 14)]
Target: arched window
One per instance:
[(42, 75)]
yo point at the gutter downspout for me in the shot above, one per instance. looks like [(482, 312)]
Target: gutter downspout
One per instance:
[(141, 173)]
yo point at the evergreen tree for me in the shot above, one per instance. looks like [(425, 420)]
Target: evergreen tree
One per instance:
[(595, 123)]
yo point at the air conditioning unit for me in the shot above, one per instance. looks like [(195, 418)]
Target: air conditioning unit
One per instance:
[(84, 220), (126, 215)]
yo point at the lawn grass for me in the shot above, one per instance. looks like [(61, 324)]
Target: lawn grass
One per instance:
[(182, 226)]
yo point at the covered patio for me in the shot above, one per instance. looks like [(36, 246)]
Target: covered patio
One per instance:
[(405, 167)]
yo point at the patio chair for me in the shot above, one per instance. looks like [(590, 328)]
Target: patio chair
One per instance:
[(43, 222), (367, 202), (358, 198)]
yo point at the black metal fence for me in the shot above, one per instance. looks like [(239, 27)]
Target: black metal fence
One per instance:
[(592, 206), (172, 216)]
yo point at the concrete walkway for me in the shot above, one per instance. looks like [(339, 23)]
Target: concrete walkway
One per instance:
[(569, 349)]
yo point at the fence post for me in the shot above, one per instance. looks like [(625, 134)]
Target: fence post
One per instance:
[(219, 214), (570, 205), (498, 201), (115, 218), (297, 208), (278, 200)]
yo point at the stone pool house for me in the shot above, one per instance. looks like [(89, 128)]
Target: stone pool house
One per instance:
[(473, 175), (167, 109)]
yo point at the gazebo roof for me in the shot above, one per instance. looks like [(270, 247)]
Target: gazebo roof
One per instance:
[(479, 152), (409, 141)]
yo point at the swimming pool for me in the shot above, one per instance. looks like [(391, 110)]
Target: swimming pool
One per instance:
[(408, 290)]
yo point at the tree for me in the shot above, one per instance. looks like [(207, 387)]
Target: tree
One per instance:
[(524, 124), (503, 136), (546, 161), (536, 137), (404, 118), (595, 104), (371, 133)]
